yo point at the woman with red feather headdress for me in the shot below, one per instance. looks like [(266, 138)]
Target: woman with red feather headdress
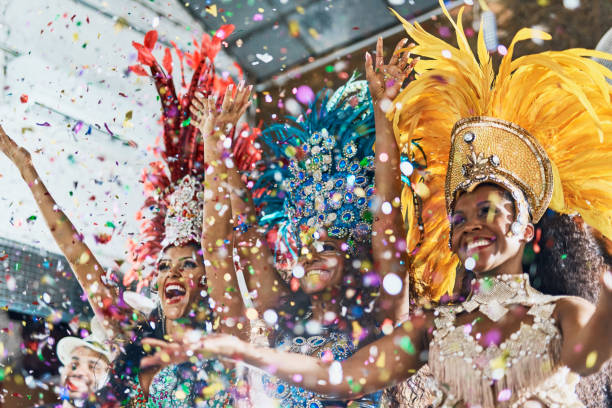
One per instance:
[(169, 255)]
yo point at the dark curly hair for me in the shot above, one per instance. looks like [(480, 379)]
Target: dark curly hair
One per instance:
[(565, 259)]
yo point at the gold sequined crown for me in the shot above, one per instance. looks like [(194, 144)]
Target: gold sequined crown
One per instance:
[(485, 149)]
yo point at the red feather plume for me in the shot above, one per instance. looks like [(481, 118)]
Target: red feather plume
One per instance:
[(182, 153)]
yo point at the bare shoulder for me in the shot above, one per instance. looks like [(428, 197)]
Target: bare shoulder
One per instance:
[(574, 308)]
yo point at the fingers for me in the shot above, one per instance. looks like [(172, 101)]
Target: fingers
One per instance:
[(369, 69), (243, 98), (198, 102), (195, 111), (150, 361), (228, 101), (412, 65), (244, 107), (397, 53), (155, 342), (379, 53)]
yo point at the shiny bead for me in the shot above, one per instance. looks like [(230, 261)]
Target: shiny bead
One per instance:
[(516, 227), (469, 137)]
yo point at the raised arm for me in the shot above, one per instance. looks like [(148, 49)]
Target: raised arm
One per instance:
[(86, 268), (388, 360), (256, 259), (217, 227), (587, 330), (254, 256), (388, 233)]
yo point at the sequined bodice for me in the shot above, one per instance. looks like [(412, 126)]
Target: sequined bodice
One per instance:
[(330, 345), (185, 385), (507, 374)]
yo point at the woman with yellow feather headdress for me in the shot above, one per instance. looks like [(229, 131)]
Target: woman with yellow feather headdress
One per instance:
[(501, 150)]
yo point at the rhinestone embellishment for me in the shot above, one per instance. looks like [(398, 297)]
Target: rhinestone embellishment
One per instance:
[(469, 137)]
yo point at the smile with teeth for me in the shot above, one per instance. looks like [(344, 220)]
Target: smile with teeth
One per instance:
[(174, 292), (318, 273), (477, 244)]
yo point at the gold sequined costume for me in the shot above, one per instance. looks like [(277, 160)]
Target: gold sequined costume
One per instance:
[(540, 129)]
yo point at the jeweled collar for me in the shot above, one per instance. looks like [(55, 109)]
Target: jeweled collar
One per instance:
[(491, 295)]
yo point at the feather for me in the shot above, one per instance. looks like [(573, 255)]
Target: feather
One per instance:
[(562, 98)]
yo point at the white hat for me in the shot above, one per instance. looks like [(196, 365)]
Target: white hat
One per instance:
[(95, 341)]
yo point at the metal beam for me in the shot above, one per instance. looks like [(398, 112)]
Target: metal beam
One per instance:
[(282, 78)]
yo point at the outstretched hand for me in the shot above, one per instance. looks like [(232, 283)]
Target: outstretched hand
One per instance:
[(206, 116), (18, 155), (385, 80), (193, 343)]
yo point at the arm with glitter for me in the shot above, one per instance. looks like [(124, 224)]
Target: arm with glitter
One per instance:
[(387, 361), (586, 329), (254, 255), (388, 234), (86, 268), (217, 231)]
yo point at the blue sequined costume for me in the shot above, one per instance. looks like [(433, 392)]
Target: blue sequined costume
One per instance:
[(324, 179), (329, 344), (186, 385)]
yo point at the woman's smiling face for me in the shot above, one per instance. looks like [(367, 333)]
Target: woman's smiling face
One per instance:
[(480, 223), (323, 262), (180, 271)]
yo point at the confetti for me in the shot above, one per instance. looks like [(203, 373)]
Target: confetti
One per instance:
[(591, 359), (392, 284)]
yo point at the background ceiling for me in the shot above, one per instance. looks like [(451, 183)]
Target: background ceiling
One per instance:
[(277, 35)]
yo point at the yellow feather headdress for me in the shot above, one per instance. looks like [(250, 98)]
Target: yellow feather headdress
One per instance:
[(557, 101)]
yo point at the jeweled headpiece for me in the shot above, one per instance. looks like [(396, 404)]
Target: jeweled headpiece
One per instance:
[(172, 213), (328, 178), (540, 129)]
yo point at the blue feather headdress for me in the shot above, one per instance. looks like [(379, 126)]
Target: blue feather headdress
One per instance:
[(324, 172)]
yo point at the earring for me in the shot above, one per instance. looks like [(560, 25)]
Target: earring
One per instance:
[(162, 319), (203, 280), (515, 229)]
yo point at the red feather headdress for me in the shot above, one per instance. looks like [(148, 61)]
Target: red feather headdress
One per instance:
[(183, 154)]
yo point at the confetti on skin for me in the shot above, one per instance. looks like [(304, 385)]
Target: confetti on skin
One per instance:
[(493, 336), (591, 359), (406, 345), (444, 31), (392, 284), (387, 327)]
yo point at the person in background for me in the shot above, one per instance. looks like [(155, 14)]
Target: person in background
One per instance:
[(85, 369)]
